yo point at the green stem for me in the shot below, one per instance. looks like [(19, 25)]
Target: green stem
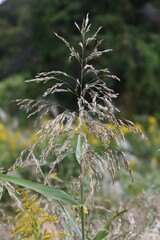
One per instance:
[(82, 212), (82, 184), (36, 229), (82, 63)]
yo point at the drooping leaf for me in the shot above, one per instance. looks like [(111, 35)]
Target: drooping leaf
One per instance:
[(47, 191)]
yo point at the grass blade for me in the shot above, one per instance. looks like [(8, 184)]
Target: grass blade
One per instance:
[(47, 191), (118, 214), (102, 234), (73, 224)]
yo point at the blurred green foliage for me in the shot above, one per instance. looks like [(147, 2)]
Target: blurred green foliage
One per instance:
[(130, 28), (11, 89)]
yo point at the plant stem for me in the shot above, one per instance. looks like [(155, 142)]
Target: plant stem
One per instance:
[(82, 63), (82, 184), (82, 212), (36, 229)]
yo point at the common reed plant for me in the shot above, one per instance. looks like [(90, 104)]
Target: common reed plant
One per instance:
[(95, 111)]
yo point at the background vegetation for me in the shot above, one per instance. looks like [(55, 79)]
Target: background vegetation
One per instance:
[(28, 46), (131, 28)]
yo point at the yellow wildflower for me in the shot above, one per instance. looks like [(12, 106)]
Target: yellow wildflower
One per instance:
[(31, 219), (47, 237), (84, 128), (1, 127), (132, 164), (54, 176), (140, 127), (18, 134), (3, 136), (93, 140), (110, 126), (62, 234), (152, 120), (77, 219), (125, 130), (85, 210)]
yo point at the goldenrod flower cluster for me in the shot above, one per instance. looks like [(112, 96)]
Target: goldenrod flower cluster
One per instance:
[(31, 219)]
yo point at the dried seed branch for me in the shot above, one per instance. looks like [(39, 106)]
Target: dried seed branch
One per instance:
[(95, 110)]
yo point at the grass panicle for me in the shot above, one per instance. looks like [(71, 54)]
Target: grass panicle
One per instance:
[(95, 109)]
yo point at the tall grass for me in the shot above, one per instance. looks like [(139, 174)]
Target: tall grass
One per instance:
[(95, 111)]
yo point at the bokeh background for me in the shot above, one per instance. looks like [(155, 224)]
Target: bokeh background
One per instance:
[(28, 46)]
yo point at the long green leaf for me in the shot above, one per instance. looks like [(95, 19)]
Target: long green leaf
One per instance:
[(73, 224), (47, 191)]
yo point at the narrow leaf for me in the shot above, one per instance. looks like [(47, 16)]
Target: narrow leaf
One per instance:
[(66, 229), (79, 149), (108, 225), (100, 235), (72, 222), (47, 191)]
